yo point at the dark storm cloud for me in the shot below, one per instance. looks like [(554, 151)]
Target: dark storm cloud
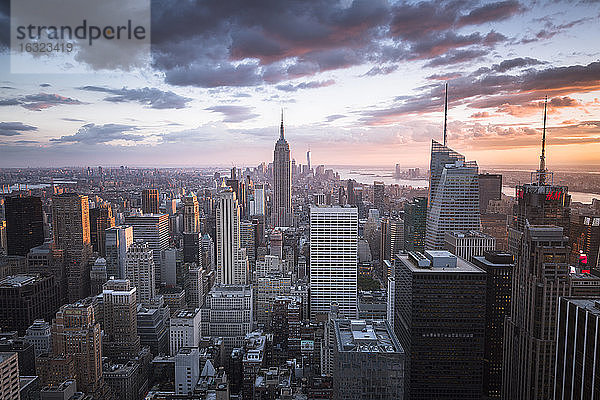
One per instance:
[(234, 113), (14, 128), (519, 62), (152, 97), (92, 134), (239, 43)]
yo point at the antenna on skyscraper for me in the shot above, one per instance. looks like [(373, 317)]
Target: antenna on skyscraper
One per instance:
[(281, 128), (542, 170), (445, 114)]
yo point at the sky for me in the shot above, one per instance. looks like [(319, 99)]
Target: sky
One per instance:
[(360, 83)]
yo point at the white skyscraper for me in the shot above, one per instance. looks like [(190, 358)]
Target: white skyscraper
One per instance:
[(184, 330), (139, 269), (228, 240), (333, 259), (455, 203), (257, 205)]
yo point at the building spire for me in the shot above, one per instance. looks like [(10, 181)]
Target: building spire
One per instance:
[(445, 114), (542, 170), (281, 128)]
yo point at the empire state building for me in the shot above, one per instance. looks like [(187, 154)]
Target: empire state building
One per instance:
[(281, 214)]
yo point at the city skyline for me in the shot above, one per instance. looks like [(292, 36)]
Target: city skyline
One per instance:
[(220, 105)]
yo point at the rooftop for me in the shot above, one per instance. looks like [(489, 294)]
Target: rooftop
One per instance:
[(18, 280), (591, 305), (366, 336), (436, 262)]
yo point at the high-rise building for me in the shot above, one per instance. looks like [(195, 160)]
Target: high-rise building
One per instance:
[(153, 328), (490, 188), (468, 244), (192, 247), (538, 240), (440, 156), (540, 278), (9, 376), (228, 313), (101, 219), (139, 270), (187, 370), (499, 269), (24, 224), (208, 253), (153, 229), (118, 241), (191, 214), (585, 241), (440, 323), (368, 361), (76, 332), (184, 330), (258, 204), (3, 245), (333, 259), (98, 276), (248, 239), (228, 240), (195, 287), (577, 356), (415, 221), (308, 160), (350, 193), (71, 227), (150, 201), (38, 334), (281, 213), (378, 195), (455, 204), (392, 239), (119, 306), (25, 298)]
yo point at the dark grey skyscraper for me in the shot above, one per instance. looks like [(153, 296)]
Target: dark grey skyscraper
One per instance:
[(281, 213), (490, 188), (440, 323), (24, 224)]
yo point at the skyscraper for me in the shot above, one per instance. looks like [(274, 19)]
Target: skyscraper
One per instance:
[(378, 195), (415, 221), (257, 206), (228, 239), (490, 188), (119, 307), (440, 323), (333, 259), (153, 229), (76, 332), (308, 159), (538, 240), (150, 201), (24, 224), (577, 354), (140, 270), (455, 204), (540, 278), (499, 270), (281, 213), (191, 214), (9, 376), (71, 227), (101, 219), (118, 241)]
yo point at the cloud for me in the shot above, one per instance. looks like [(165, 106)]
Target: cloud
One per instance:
[(152, 97), (457, 57), (234, 113), (14, 128), (40, 101), (91, 134), (481, 114), (334, 117), (212, 44), (519, 62), (381, 70), (492, 90), (45, 85), (305, 85)]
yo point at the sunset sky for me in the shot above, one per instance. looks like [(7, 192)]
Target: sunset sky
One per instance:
[(360, 82)]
